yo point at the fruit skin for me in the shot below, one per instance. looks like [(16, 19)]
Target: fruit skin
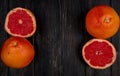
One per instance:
[(28, 12), (17, 52), (102, 21), (100, 40)]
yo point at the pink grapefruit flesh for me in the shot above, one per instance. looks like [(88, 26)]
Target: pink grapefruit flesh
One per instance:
[(20, 22), (99, 53)]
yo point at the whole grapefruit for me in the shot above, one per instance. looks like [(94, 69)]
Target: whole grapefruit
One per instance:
[(102, 21), (99, 53), (17, 52), (20, 22)]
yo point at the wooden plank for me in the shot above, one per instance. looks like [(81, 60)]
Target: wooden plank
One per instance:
[(47, 39), (29, 70), (3, 35), (71, 29), (115, 40), (90, 71)]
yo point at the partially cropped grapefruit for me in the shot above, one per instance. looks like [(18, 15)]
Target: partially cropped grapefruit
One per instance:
[(99, 53), (102, 21), (20, 22), (17, 52)]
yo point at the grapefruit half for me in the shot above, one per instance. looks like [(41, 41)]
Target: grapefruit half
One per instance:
[(17, 52), (102, 22), (99, 53), (20, 22)]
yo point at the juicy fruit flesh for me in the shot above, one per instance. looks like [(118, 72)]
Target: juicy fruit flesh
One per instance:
[(20, 23), (99, 53)]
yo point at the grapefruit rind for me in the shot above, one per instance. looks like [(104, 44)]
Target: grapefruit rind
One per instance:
[(12, 51), (88, 61), (29, 13), (102, 22)]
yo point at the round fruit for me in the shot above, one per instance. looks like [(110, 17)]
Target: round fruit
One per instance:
[(20, 22), (102, 22), (99, 53), (17, 52)]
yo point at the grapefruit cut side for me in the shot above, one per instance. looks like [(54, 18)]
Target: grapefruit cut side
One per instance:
[(20, 22), (99, 53)]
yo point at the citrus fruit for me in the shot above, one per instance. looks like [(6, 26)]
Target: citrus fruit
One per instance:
[(17, 52), (20, 22), (99, 53), (102, 21)]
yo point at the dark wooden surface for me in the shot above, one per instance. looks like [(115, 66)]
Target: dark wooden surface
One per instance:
[(59, 38)]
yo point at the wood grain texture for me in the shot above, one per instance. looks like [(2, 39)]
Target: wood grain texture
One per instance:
[(116, 41), (59, 38)]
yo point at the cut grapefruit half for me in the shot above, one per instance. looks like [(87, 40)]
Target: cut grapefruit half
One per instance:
[(99, 53), (20, 22)]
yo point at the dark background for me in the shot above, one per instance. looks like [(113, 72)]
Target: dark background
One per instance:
[(59, 38)]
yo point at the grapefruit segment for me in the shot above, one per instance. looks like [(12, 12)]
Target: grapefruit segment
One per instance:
[(99, 53), (20, 22)]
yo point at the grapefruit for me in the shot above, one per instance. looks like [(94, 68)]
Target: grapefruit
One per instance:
[(17, 52), (20, 22), (99, 53), (102, 21)]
